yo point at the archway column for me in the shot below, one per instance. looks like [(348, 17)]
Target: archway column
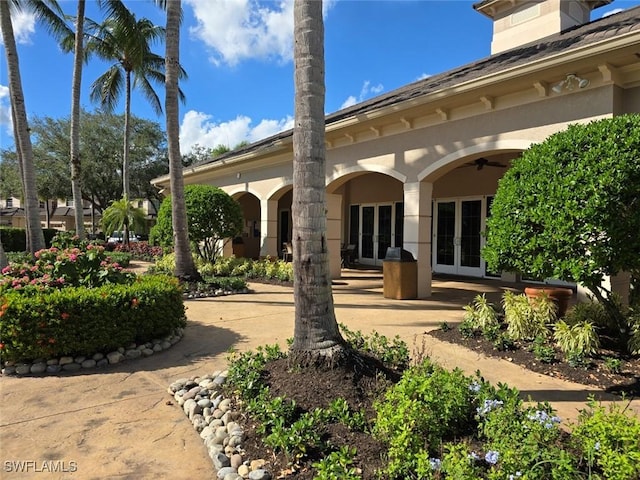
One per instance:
[(269, 228), (417, 230), (334, 229)]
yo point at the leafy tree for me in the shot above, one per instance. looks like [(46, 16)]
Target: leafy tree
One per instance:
[(213, 218), (569, 207), (316, 335), (50, 15), (122, 216), (101, 151), (126, 41)]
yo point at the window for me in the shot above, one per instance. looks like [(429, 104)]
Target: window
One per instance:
[(68, 203), (9, 202)]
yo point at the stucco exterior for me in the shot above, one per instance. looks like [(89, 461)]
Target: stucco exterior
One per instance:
[(417, 167)]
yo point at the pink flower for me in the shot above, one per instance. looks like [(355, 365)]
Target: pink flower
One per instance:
[(60, 280), (6, 269), (73, 257)]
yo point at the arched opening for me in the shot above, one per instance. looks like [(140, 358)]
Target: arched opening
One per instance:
[(247, 244)]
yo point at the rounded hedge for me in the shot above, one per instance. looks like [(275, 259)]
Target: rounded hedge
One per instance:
[(82, 321), (569, 207)]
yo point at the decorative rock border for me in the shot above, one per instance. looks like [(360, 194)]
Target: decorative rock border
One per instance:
[(212, 417), (98, 360)]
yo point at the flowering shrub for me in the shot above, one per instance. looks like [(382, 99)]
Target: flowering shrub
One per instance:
[(82, 321), (59, 268), (139, 250)]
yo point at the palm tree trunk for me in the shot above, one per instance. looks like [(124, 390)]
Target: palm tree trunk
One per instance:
[(76, 188), (127, 135), (21, 132), (316, 335), (185, 268)]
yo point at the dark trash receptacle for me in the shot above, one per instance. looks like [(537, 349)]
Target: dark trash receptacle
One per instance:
[(399, 274)]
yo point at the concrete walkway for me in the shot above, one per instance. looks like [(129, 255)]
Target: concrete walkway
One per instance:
[(115, 423)]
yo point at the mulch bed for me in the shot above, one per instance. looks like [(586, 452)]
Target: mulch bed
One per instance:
[(627, 381)]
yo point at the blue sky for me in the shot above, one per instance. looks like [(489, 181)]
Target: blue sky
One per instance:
[(238, 55)]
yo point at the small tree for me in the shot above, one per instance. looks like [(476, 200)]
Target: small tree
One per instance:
[(213, 218), (569, 207), (122, 216)]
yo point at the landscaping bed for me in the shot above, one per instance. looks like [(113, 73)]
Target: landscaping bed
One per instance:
[(597, 374)]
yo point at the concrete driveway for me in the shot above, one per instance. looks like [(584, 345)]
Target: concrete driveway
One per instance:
[(115, 423)]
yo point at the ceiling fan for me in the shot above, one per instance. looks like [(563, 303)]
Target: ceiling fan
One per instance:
[(482, 162)]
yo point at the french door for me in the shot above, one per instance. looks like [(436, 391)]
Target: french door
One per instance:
[(457, 240), (376, 227)]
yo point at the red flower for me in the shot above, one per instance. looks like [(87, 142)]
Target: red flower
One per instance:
[(52, 341), (1, 346), (65, 315), (134, 302)]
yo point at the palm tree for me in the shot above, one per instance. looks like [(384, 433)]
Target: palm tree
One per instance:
[(76, 187), (127, 42), (122, 216), (50, 13), (316, 335), (185, 267)]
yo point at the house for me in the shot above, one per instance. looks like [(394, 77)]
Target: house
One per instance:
[(417, 167), (59, 214)]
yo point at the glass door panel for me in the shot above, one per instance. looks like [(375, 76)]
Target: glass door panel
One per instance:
[(471, 212), (368, 225), (445, 233), (384, 230)]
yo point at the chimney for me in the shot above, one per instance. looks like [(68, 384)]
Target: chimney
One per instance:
[(518, 22)]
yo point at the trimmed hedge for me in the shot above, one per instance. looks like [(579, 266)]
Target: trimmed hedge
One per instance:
[(15, 239), (82, 321)]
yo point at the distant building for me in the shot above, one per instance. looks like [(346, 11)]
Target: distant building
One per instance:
[(59, 214)]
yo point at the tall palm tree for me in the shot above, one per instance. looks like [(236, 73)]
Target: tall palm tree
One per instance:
[(316, 335), (78, 54), (185, 267), (127, 42), (51, 15)]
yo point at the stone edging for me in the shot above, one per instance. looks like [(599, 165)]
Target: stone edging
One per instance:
[(211, 416), (98, 360)]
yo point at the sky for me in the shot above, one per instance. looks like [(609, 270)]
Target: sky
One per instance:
[(238, 57)]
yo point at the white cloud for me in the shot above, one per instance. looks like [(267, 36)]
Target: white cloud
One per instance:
[(237, 30), (611, 12), (423, 76), (365, 92), (24, 25), (5, 110), (197, 128)]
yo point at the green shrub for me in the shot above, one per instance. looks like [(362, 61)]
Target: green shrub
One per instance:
[(555, 229), (593, 312), (480, 313), (56, 268), (608, 440), (81, 321), (525, 318), (578, 339), (542, 350), (427, 406), (15, 240), (394, 352), (213, 217), (338, 465)]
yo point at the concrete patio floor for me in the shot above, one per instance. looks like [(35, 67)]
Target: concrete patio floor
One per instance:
[(116, 423)]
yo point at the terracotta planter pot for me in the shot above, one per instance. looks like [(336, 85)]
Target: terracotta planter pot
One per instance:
[(559, 295)]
